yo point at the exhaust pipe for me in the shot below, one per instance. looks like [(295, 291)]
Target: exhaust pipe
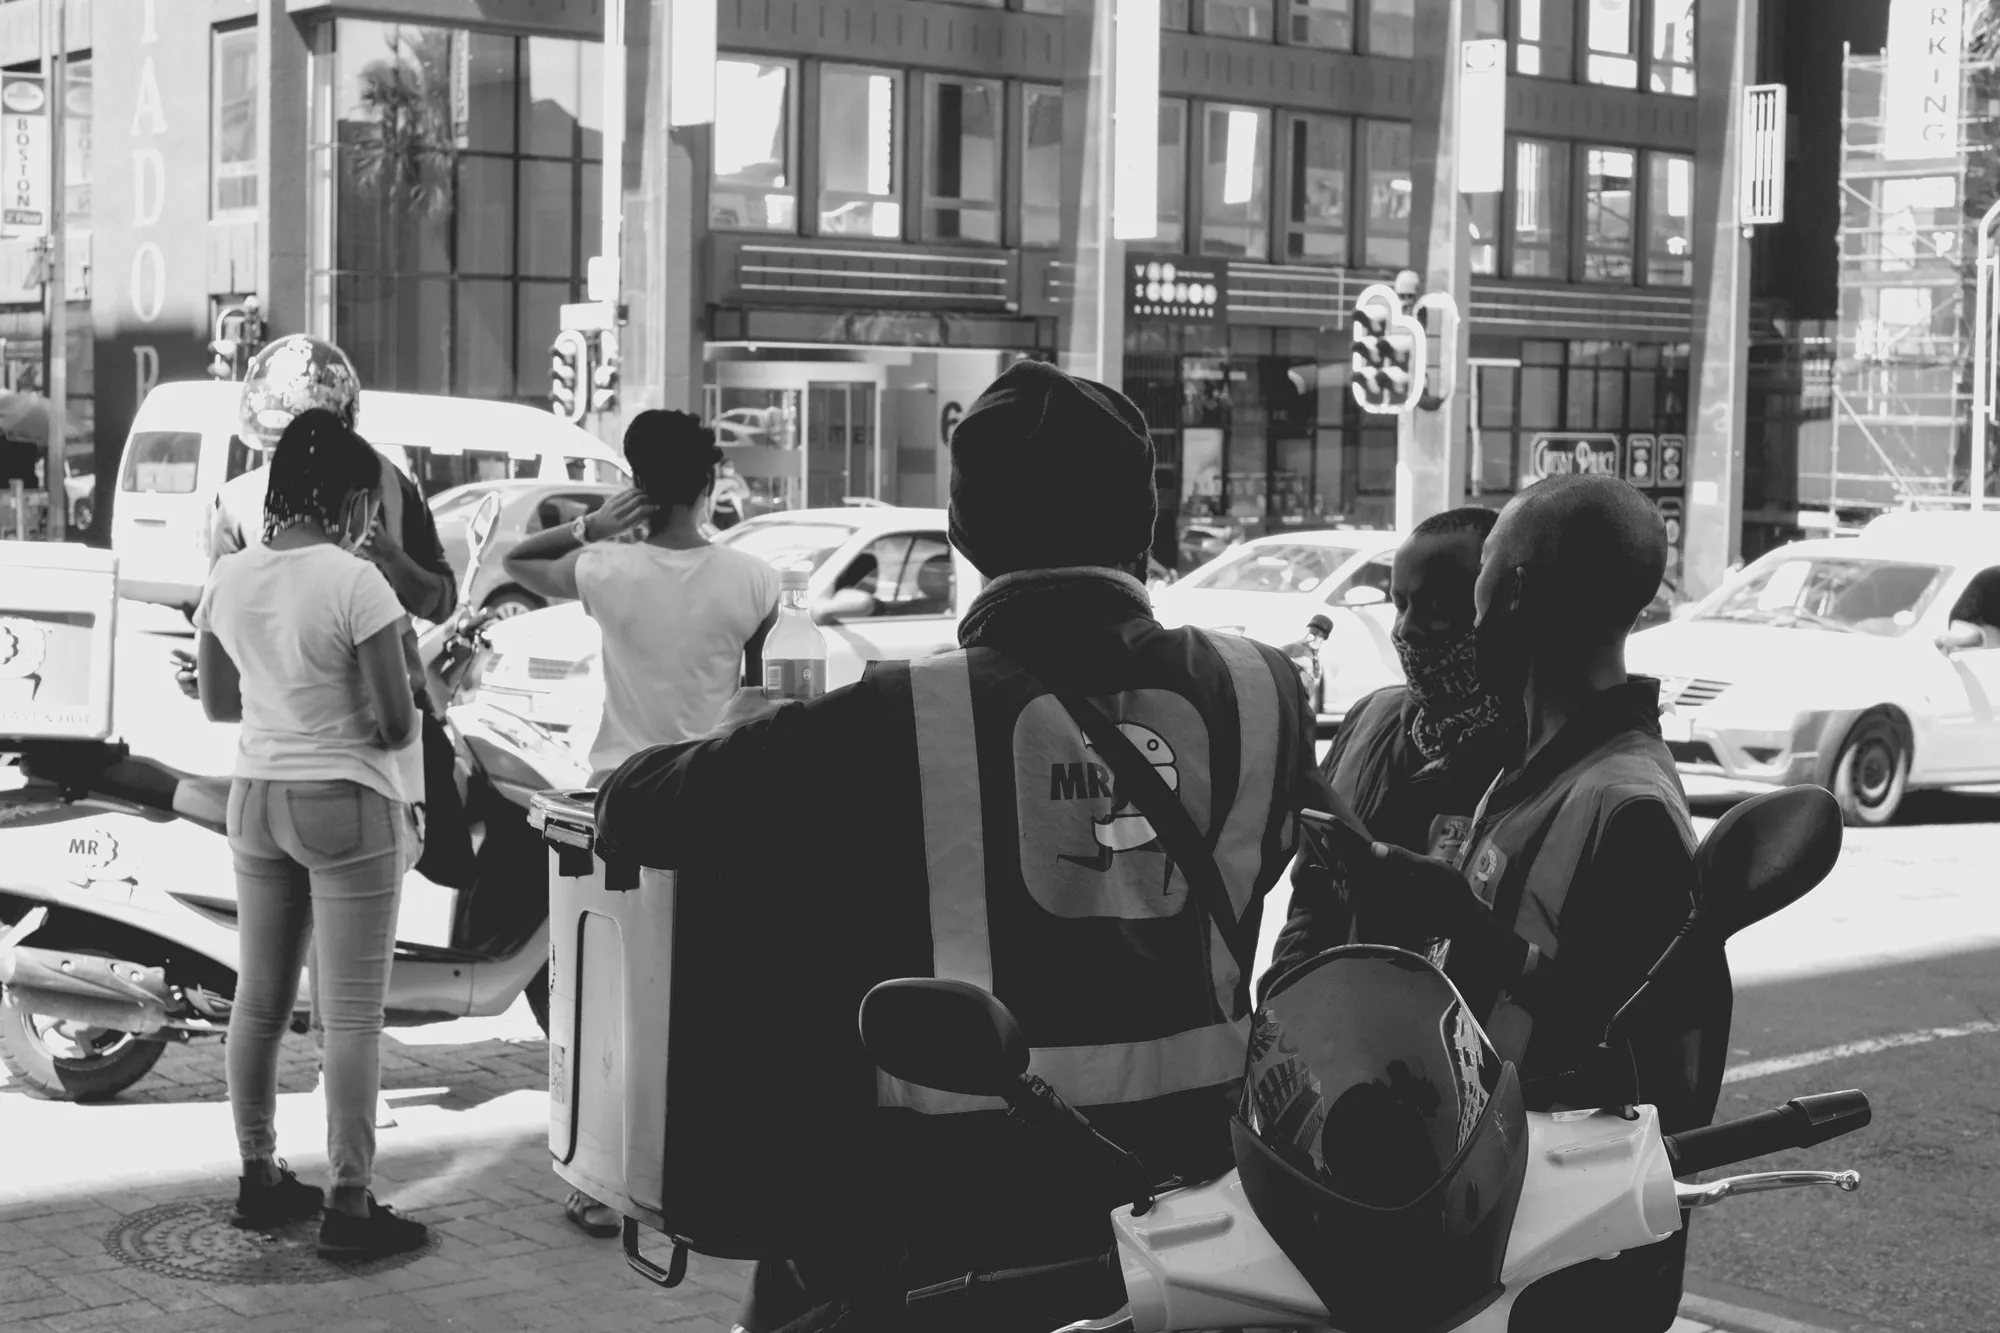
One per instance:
[(89, 1010)]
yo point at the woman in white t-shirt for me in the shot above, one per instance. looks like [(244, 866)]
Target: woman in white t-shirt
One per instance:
[(302, 642), (678, 614)]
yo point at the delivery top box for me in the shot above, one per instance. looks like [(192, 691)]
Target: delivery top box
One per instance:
[(58, 618)]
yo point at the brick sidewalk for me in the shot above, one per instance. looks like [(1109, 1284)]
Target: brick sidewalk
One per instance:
[(468, 1155)]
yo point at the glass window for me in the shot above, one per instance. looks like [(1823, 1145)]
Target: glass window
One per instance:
[(1388, 166), (1613, 57), (1235, 182), (162, 461), (485, 214), (1319, 156), (1607, 214), (1537, 247), (233, 137), (1669, 206), (753, 189), (1277, 567), (1041, 165), (548, 190), (1673, 47), (1174, 15), (962, 166), (1392, 27), (1486, 18), (485, 322), (484, 90), (1482, 223), (859, 153), (552, 96), (1250, 19), (914, 576), (1541, 37), (1327, 23), (1173, 174)]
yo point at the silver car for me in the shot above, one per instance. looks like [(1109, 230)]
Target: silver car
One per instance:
[(526, 507)]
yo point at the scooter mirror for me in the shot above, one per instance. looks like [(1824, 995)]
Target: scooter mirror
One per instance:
[(478, 536), (946, 1035), (1766, 854)]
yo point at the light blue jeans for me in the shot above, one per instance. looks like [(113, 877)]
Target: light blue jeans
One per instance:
[(319, 865)]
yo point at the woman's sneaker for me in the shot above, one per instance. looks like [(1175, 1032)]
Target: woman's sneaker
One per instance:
[(345, 1236), (288, 1199)]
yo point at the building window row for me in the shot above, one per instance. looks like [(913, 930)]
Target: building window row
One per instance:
[(1628, 217)]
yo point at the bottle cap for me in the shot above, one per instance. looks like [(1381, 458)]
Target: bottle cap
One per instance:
[(796, 578)]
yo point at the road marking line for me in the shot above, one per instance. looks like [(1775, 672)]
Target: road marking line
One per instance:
[(1849, 1049), (1737, 1319)]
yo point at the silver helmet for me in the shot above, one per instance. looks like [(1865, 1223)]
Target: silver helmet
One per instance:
[(291, 375)]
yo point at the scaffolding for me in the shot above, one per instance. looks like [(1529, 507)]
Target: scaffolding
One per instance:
[(1902, 379)]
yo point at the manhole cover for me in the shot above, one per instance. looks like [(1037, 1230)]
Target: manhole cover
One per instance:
[(195, 1241)]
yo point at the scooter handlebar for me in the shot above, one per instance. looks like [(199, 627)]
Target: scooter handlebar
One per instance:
[(1799, 1123)]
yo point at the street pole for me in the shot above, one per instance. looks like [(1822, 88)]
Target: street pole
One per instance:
[(55, 346), (1983, 351)]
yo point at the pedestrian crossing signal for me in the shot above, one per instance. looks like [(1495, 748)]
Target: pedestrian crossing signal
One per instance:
[(569, 372), (604, 374), (1388, 354)]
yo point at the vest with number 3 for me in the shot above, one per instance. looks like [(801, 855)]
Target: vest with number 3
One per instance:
[(1049, 890)]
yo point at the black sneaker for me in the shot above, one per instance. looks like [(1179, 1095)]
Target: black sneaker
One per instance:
[(288, 1200), (345, 1236)]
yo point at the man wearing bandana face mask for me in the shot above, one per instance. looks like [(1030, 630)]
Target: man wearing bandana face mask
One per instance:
[(1411, 760)]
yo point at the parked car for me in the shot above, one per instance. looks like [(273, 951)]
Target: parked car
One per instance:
[(1868, 665), (885, 585), (526, 507), (1270, 587)]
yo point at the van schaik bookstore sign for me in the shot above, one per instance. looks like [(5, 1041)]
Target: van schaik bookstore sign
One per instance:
[(1178, 287)]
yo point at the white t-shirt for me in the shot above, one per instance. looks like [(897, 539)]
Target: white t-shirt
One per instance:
[(292, 620), (674, 624)]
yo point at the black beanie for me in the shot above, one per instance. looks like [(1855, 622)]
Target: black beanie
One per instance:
[(1048, 471)]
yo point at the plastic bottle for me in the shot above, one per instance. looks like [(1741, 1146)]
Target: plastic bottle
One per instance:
[(795, 650)]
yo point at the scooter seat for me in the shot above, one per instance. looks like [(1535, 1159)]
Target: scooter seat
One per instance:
[(203, 801)]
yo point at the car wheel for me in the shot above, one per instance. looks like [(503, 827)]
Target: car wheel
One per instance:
[(1872, 772), (80, 515), (69, 1062), (513, 602)]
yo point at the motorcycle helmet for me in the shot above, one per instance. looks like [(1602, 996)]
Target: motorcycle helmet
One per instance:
[(289, 376), (1381, 1140)]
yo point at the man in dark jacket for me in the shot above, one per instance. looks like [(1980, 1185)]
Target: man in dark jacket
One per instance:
[(1579, 864), (949, 817), (1411, 760)]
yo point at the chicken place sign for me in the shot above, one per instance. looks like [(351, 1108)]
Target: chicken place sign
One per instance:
[(1560, 455)]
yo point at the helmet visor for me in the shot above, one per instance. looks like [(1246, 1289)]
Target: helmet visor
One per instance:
[(1368, 1074)]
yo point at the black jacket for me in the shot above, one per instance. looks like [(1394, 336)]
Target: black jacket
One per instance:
[(1375, 766), (813, 818)]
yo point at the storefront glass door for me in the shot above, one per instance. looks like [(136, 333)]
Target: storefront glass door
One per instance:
[(843, 448)]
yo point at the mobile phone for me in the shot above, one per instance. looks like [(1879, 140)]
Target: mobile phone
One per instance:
[(1337, 838)]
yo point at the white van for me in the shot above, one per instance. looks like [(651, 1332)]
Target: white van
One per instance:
[(183, 446)]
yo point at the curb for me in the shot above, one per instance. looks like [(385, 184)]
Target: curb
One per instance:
[(1738, 1319)]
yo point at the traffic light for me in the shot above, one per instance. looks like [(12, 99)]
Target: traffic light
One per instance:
[(1388, 355), (604, 374), (569, 376), (239, 332)]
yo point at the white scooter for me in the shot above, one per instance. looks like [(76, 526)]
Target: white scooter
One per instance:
[(116, 877), (1597, 1182)]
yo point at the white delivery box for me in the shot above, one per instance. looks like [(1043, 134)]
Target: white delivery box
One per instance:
[(58, 622)]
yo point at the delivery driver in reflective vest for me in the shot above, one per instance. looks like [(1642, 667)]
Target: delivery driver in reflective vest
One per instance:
[(1579, 863), (951, 817)]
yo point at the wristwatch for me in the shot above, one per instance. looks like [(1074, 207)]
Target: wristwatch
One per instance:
[(580, 530)]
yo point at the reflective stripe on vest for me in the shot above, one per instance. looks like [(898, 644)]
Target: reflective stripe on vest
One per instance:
[(1538, 919), (961, 935)]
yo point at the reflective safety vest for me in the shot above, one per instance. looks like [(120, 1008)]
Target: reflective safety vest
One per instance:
[(1047, 889), (1522, 861)]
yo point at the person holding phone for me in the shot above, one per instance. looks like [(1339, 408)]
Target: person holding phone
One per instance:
[(1412, 760), (1578, 870)]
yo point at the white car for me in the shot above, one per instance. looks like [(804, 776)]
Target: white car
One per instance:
[(1869, 665), (1270, 588), (886, 585)]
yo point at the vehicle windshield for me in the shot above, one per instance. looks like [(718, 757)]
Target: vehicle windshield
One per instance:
[(1294, 567), (1840, 594), (787, 543)]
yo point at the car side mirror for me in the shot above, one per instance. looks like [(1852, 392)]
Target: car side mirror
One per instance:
[(847, 604), (947, 1035), (1364, 597), (1959, 636)]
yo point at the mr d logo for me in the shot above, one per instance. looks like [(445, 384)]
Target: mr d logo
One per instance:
[(1086, 850)]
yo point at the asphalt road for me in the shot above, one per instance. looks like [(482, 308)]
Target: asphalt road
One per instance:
[(1902, 942)]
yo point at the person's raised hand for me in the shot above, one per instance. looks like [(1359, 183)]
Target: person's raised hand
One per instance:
[(187, 674), (380, 546), (619, 514)]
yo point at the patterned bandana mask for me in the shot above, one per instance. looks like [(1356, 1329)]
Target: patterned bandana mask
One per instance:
[(1452, 708)]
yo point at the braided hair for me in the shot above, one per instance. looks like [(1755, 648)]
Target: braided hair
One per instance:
[(318, 466), (673, 456)]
